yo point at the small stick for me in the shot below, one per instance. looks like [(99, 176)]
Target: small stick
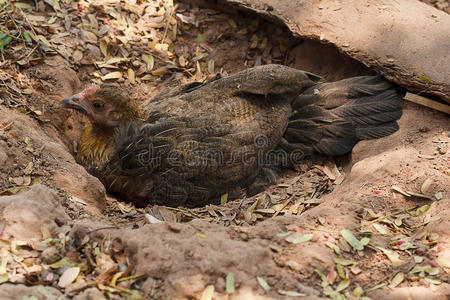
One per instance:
[(284, 206), (428, 102)]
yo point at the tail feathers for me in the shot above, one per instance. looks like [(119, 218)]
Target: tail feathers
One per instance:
[(376, 131), (331, 118)]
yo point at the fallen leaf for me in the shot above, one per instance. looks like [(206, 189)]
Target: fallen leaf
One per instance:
[(22, 5), (433, 281), (249, 212), (391, 255), (208, 293), (149, 60), (63, 262), (298, 238), (399, 190), (444, 262), (131, 76), (263, 284), (230, 283), (344, 262), (334, 247), (422, 209), (68, 276), (223, 199), (343, 285), (426, 185), (4, 278), (112, 75), (380, 228), (351, 239), (291, 293), (29, 143), (341, 271), (152, 220), (398, 278)]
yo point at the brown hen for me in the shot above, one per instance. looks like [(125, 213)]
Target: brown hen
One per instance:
[(200, 141)]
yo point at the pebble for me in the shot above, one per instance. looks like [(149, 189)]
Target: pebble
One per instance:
[(50, 255)]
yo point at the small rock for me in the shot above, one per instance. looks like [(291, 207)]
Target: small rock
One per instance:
[(442, 150), (50, 255), (174, 227)]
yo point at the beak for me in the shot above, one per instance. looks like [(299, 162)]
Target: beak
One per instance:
[(73, 102)]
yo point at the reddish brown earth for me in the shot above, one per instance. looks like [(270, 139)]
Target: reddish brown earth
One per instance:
[(52, 211)]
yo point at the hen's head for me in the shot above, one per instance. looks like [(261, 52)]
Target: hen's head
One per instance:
[(106, 106)]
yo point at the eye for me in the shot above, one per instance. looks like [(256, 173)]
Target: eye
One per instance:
[(98, 105)]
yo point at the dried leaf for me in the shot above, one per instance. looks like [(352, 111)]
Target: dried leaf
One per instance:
[(29, 143), (334, 247), (392, 256), (149, 60), (398, 278), (208, 293), (352, 240), (444, 262), (131, 76), (200, 235), (297, 238), (399, 190), (89, 37), (358, 291), (344, 262), (12, 191), (68, 276), (77, 56), (343, 285), (426, 79), (152, 220), (291, 293), (4, 278), (254, 40), (426, 185), (22, 5), (355, 270), (422, 209), (425, 269), (223, 199), (341, 271), (263, 284), (230, 283), (433, 281), (112, 75), (365, 241), (249, 212), (63, 262), (380, 228), (211, 66), (104, 47)]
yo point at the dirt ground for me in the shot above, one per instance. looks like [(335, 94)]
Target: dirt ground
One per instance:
[(373, 224)]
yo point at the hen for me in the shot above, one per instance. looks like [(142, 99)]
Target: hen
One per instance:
[(200, 141)]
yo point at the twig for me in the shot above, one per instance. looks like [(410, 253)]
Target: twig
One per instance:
[(168, 22), (428, 103), (393, 214), (102, 228), (284, 206), (137, 276), (185, 211)]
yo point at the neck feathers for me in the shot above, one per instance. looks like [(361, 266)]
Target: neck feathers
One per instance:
[(96, 146)]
